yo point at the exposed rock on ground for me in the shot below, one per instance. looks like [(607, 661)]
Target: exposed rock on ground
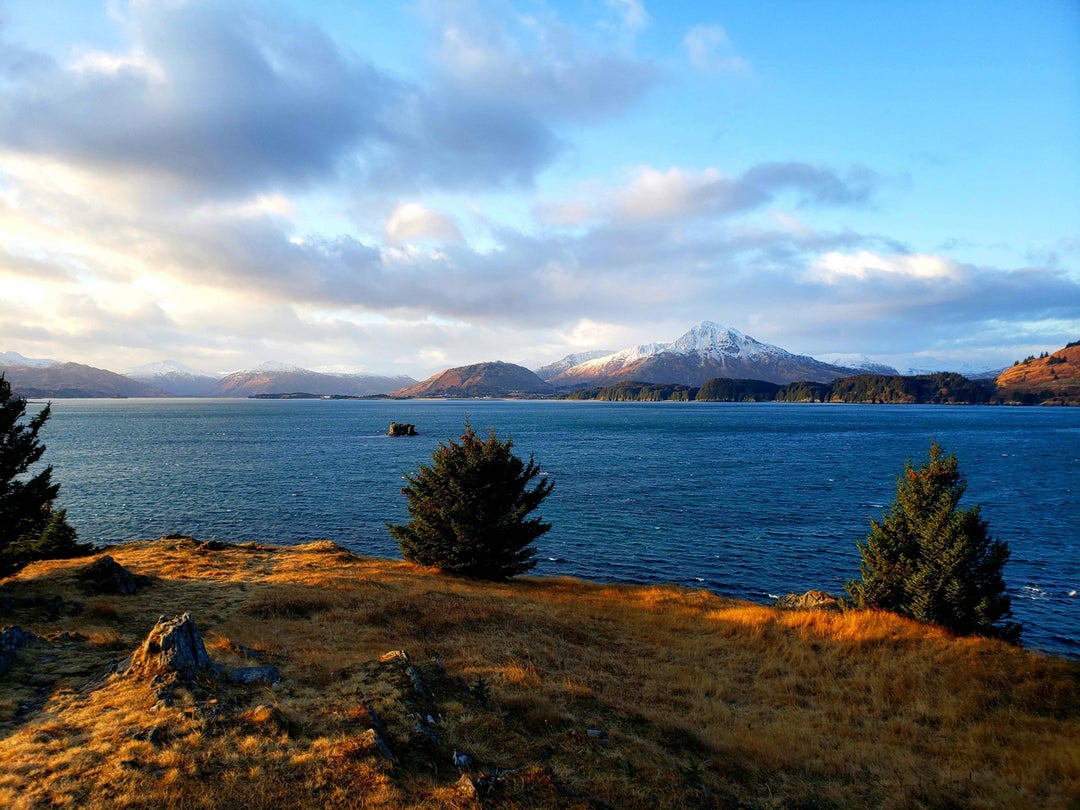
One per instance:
[(105, 575), (811, 600), (174, 649)]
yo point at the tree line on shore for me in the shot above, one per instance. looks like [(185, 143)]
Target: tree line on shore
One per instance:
[(943, 388)]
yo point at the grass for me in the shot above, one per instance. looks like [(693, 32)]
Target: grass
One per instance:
[(574, 694)]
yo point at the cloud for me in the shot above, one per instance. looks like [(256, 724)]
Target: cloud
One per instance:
[(677, 193), (835, 267), (632, 13), (709, 50), (534, 66), (226, 99), (412, 221), (210, 95)]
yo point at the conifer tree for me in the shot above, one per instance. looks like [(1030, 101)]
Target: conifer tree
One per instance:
[(932, 561), (469, 509), (29, 529)]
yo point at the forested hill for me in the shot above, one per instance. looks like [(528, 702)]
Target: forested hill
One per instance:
[(945, 388)]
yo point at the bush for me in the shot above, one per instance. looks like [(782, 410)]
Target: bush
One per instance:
[(469, 509), (931, 561)]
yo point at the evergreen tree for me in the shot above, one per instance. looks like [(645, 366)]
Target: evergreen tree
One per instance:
[(469, 509), (29, 529), (932, 561)]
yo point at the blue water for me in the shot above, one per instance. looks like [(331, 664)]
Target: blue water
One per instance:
[(747, 500)]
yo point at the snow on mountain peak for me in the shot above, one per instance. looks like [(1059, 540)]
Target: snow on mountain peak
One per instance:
[(709, 339), (164, 367)]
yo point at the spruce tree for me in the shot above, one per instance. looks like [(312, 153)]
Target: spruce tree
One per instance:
[(932, 561), (469, 509), (29, 529)]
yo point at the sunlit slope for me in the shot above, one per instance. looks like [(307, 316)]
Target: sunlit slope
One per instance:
[(562, 693)]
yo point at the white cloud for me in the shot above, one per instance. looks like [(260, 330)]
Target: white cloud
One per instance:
[(412, 221), (835, 267), (709, 49)]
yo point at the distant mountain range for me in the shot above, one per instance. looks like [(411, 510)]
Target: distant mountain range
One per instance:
[(43, 379), (706, 352)]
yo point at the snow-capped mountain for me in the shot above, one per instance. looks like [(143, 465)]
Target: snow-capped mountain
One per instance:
[(707, 351), (568, 362), (858, 361), (16, 359), (175, 379)]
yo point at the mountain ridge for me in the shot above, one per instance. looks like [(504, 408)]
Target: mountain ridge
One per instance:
[(705, 352)]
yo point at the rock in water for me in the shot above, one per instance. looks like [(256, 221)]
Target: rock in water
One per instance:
[(401, 429)]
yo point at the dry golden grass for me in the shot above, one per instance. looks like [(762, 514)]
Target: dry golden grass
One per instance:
[(691, 700)]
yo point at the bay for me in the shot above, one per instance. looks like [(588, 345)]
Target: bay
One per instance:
[(746, 500)]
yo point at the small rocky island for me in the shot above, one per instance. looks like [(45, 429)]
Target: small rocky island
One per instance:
[(401, 429)]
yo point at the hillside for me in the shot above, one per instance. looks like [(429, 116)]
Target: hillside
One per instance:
[(480, 380), (73, 380), (559, 693), (1051, 379), (284, 380)]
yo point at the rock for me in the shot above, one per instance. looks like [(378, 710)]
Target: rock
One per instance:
[(811, 600), (465, 787), (12, 639), (106, 575), (371, 739), (265, 674), (401, 429), (174, 646)]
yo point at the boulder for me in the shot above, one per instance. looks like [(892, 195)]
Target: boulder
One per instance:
[(173, 647), (811, 600), (401, 429), (12, 639), (106, 575)]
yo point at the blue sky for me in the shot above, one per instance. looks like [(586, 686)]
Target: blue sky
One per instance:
[(398, 188)]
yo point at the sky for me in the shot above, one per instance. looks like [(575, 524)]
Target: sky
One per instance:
[(397, 188)]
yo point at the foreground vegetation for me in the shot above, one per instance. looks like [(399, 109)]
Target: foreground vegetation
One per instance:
[(563, 694)]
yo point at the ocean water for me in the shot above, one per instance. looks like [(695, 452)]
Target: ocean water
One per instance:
[(746, 500)]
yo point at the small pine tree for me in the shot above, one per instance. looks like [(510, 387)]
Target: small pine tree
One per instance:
[(29, 529), (469, 509), (932, 561)]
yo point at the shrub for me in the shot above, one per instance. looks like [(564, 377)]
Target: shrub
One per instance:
[(469, 509), (931, 561)]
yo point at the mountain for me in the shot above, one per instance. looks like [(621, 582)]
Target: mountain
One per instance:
[(480, 380), (175, 379), (273, 378), (559, 366), (859, 362), (705, 352), (1052, 378), (64, 380), (16, 359)]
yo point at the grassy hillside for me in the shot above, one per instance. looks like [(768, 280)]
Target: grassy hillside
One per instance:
[(1052, 379), (563, 693)]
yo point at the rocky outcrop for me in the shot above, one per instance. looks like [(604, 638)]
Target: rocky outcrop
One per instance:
[(811, 600), (174, 651), (401, 429), (12, 639), (105, 575)]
